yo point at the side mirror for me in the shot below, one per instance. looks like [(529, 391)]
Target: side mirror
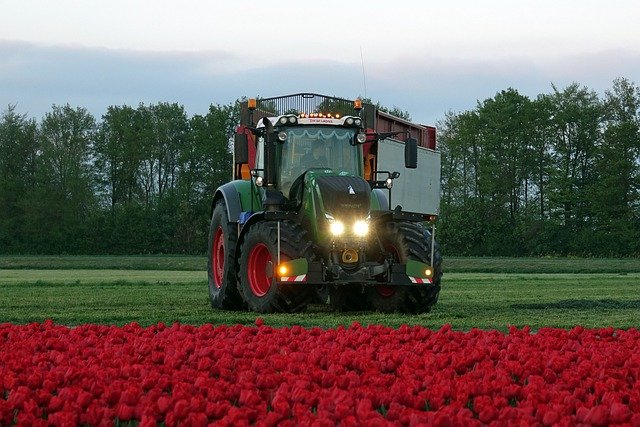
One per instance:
[(270, 136), (411, 153), (241, 148), (268, 126)]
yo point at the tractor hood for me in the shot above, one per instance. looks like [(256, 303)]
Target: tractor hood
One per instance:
[(321, 193), (344, 195)]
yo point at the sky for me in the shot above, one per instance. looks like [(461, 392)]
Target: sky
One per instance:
[(423, 57)]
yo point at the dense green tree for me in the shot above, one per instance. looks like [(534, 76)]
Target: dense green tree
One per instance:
[(19, 151), (576, 118), (161, 166), (170, 131), (616, 191), (119, 153), (66, 179), (463, 211), (504, 128)]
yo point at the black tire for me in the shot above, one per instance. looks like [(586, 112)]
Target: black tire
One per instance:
[(434, 292), (405, 240), (259, 248), (347, 298), (322, 294), (223, 279)]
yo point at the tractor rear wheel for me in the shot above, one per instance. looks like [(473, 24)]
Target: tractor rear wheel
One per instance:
[(257, 265), (223, 288), (404, 241)]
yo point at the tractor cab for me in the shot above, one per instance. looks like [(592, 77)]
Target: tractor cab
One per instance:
[(308, 143)]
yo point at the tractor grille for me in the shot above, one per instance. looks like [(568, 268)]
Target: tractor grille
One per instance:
[(345, 195)]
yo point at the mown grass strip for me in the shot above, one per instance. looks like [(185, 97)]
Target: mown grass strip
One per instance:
[(100, 276), (542, 265), (199, 263), (467, 300), (96, 262)]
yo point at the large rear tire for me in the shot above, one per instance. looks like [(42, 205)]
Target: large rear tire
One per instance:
[(404, 241), (223, 237), (257, 264)]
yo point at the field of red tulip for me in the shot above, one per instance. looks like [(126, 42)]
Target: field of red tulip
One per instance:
[(373, 375)]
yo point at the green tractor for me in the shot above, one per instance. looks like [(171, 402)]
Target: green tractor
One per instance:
[(308, 216)]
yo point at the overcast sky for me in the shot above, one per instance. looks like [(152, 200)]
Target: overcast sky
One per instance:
[(422, 56)]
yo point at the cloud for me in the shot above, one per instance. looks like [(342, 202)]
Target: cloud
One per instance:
[(36, 76)]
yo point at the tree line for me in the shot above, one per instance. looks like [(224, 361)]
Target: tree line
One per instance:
[(140, 180), (554, 175)]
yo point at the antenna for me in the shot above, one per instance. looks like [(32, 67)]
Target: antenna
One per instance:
[(364, 77)]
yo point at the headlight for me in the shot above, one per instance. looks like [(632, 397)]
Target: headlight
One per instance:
[(389, 183), (361, 138), (259, 181), (361, 228), (283, 120), (282, 136), (336, 228)]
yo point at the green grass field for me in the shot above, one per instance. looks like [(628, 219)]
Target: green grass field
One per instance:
[(85, 262), (199, 263), (476, 292)]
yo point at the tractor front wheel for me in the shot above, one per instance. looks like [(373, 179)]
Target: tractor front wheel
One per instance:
[(258, 263), (404, 241)]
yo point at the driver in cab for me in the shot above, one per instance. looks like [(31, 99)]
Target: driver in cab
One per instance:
[(315, 158)]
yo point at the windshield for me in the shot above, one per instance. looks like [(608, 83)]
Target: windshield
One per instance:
[(318, 147)]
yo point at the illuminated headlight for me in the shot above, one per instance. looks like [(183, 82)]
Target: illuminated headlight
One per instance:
[(389, 183), (282, 136), (259, 181), (361, 228), (361, 138), (336, 228)]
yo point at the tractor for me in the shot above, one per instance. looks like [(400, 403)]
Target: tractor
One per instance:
[(309, 215)]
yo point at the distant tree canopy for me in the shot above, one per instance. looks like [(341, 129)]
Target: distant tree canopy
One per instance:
[(557, 175), (139, 181), (554, 175)]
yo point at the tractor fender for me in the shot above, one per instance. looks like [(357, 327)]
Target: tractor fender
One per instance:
[(256, 217), (231, 197), (379, 201)]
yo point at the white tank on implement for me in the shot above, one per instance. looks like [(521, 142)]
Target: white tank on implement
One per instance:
[(416, 190)]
